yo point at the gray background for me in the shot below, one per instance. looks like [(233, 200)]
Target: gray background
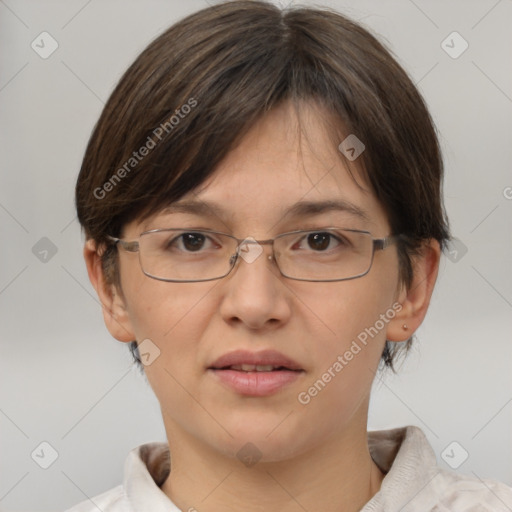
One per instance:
[(66, 382)]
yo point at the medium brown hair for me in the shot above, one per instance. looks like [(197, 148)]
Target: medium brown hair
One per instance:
[(193, 93)]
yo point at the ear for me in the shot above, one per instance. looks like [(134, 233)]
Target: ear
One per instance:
[(112, 301), (416, 299)]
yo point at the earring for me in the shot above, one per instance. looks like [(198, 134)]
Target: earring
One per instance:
[(404, 327)]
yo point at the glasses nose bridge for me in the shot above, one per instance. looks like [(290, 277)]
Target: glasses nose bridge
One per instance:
[(241, 243)]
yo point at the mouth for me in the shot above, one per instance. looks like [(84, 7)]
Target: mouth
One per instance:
[(255, 374), (256, 368)]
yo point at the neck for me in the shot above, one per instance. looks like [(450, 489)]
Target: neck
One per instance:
[(337, 476)]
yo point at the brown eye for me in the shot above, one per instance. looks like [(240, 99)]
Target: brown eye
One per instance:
[(189, 242), (319, 241), (193, 241)]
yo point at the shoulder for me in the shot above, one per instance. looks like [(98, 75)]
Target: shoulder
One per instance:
[(145, 469), (455, 492), (414, 482), (113, 500)]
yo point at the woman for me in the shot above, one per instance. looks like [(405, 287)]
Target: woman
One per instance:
[(262, 204)]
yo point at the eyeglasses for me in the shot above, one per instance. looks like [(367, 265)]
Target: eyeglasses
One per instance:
[(325, 254)]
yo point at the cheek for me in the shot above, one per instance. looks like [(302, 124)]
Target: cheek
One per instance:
[(158, 309), (171, 315), (354, 316), (349, 309), (174, 317), (353, 326)]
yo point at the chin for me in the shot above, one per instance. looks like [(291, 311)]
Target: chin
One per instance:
[(268, 436)]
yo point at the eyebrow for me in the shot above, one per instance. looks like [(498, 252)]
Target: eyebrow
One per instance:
[(299, 209)]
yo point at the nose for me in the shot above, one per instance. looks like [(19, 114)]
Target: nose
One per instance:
[(254, 293)]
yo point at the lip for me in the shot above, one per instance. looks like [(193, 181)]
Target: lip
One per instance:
[(256, 383), (264, 357)]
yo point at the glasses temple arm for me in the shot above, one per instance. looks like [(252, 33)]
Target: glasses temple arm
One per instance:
[(126, 245), (380, 244)]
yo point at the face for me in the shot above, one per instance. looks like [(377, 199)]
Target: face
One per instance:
[(255, 309)]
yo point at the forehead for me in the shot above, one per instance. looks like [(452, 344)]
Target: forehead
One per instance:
[(285, 168)]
